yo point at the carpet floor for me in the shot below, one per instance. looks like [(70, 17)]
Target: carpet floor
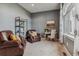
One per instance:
[(42, 48)]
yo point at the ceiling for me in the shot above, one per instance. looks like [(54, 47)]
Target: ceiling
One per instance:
[(39, 7)]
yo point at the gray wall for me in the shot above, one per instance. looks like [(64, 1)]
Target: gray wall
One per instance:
[(39, 19), (8, 12)]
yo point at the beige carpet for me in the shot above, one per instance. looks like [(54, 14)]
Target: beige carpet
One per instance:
[(42, 48)]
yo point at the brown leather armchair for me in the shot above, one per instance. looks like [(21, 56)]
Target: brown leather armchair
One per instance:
[(32, 36), (10, 48)]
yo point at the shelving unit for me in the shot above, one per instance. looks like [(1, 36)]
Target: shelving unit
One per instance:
[(49, 26), (19, 26)]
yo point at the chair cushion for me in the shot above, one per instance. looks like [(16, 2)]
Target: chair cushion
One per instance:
[(9, 44)]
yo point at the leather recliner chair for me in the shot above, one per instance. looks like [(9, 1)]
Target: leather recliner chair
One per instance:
[(32, 38), (10, 48)]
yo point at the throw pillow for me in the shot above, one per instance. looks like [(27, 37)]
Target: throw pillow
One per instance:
[(15, 38)]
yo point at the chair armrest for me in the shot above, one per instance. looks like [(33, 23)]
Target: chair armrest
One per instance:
[(23, 40)]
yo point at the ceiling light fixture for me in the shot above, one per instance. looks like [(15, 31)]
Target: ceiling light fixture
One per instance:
[(32, 4)]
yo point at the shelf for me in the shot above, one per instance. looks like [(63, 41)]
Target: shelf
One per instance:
[(19, 26)]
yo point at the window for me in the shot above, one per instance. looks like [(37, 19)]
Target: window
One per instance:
[(69, 22)]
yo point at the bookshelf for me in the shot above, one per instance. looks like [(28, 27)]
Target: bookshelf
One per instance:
[(19, 26), (50, 25)]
